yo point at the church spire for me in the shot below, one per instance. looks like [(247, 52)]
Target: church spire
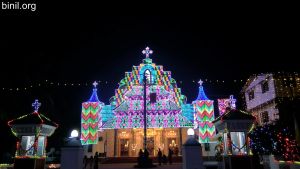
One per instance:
[(201, 93), (94, 96)]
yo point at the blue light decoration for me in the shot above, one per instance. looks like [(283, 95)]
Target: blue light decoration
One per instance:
[(201, 93), (36, 105)]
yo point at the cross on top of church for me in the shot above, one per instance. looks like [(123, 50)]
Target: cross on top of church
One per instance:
[(232, 101), (95, 84), (147, 52), (200, 82), (36, 105)]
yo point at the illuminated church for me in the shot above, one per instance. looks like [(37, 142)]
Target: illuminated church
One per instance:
[(117, 129)]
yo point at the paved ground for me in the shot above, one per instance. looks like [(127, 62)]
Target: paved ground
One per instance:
[(130, 166)]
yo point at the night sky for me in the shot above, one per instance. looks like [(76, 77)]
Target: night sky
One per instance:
[(69, 49)]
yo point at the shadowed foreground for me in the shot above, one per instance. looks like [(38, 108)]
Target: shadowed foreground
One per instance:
[(130, 166)]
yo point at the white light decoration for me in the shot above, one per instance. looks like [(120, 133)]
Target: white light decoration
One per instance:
[(190, 132), (147, 52), (74, 133)]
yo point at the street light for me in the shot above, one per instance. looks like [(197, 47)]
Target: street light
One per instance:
[(147, 79), (74, 134), (145, 109)]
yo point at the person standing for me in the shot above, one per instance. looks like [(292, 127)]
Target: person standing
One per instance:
[(140, 157), (164, 159), (176, 150), (96, 160), (170, 156), (159, 155), (146, 154), (141, 153), (91, 161), (85, 161)]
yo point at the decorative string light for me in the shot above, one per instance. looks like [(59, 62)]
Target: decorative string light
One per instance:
[(273, 139), (49, 84)]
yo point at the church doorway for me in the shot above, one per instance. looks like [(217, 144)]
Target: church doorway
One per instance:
[(124, 145), (150, 145), (173, 145)]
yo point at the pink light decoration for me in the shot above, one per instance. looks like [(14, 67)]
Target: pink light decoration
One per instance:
[(223, 104)]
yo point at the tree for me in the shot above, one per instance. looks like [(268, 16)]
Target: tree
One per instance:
[(274, 139)]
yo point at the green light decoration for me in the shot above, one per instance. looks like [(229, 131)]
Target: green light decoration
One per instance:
[(91, 118), (204, 115)]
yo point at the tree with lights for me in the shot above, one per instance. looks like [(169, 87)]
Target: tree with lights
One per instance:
[(274, 139)]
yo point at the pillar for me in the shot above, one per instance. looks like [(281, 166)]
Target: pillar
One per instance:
[(72, 155), (180, 142), (192, 154)]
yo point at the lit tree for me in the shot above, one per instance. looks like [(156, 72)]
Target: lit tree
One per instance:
[(274, 139)]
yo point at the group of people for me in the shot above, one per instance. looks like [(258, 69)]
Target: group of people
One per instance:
[(143, 158), (162, 158), (91, 162)]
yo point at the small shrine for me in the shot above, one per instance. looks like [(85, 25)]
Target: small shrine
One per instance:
[(233, 127), (32, 131)]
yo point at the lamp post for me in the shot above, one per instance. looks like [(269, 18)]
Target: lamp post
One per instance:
[(145, 111), (146, 52)]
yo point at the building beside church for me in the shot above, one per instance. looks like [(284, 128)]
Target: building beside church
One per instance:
[(274, 97), (117, 129), (265, 93)]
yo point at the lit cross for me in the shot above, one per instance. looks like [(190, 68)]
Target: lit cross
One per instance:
[(200, 82), (36, 105), (147, 52), (95, 84), (232, 101)]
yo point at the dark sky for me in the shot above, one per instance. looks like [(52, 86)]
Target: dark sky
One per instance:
[(63, 47)]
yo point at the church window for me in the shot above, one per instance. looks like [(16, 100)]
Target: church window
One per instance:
[(148, 76)]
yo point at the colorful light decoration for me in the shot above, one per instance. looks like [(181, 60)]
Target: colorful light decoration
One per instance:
[(33, 125), (160, 78), (224, 103), (169, 110), (204, 115), (128, 105), (274, 139), (91, 118)]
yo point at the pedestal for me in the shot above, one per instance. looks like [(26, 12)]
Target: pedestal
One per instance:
[(192, 154), (71, 158)]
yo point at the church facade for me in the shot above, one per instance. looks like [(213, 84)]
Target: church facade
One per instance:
[(117, 129)]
